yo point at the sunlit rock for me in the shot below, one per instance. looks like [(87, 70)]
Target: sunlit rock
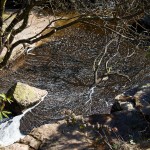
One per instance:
[(55, 136), (17, 146), (24, 96)]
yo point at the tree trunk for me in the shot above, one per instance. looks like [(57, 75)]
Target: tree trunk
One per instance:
[(2, 8)]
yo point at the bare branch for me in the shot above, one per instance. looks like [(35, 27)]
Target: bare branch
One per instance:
[(97, 62)]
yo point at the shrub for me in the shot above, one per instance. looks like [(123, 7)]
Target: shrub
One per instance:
[(3, 100)]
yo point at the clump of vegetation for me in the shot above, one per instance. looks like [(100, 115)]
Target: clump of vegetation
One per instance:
[(98, 134), (3, 100)]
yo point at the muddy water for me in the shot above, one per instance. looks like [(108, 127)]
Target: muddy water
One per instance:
[(64, 68)]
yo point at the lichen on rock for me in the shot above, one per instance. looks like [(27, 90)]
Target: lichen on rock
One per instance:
[(24, 96)]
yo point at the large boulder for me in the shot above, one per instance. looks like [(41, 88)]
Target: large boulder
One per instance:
[(23, 96)]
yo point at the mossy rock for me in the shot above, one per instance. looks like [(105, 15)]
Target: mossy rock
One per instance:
[(24, 96)]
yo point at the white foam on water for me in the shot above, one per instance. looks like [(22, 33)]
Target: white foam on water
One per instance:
[(90, 93), (9, 130)]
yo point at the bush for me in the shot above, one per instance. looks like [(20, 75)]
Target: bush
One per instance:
[(3, 100)]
